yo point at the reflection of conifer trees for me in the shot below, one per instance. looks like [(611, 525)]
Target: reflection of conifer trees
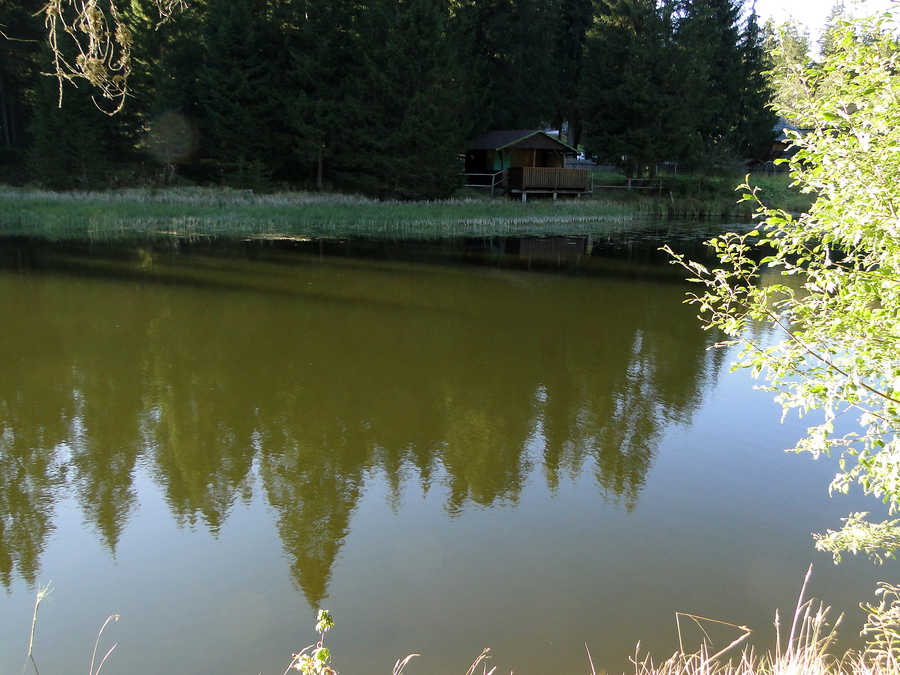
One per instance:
[(486, 397), (394, 383), (313, 487), (36, 414), (484, 456), (314, 434), (30, 474), (334, 408), (200, 409), (106, 348), (104, 455), (610, 397), (327, 374), (446, 378)]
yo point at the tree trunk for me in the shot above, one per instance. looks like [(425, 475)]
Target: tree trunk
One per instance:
[(5, 122), (575, 129)]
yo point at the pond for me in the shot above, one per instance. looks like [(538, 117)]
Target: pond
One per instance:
[(517, 444)]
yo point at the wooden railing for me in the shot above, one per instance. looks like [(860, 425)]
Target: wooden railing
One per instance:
[(548, 179), (492, 180)]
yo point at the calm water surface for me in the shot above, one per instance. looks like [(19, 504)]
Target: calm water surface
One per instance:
[(522, 445)]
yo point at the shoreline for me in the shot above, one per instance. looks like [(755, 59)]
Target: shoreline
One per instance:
[(215, 213)]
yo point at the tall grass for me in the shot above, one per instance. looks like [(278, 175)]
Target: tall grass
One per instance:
[(95, 667), (806, 649), (708, 193), (193, 213)]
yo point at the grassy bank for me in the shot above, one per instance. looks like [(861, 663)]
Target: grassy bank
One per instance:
[(188, 213), (715, 193)]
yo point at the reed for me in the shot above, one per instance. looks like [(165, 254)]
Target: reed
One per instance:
[(204, 213), (805, 650)]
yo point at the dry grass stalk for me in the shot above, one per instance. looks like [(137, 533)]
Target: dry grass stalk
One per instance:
[(480, 661), (807, 650), (113, 618), (401, 664)]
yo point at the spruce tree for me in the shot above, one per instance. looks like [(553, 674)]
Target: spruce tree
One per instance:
[(787, 51), (326, 52), (421, 102), (754, 131), (507, 55), (572, 19), (630, 99), (71, 144), (827, 42), (712, 71), (166, 86), (19, 66), (237, 85), (376, 103)]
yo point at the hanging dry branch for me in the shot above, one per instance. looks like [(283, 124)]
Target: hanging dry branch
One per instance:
[(89, 41)]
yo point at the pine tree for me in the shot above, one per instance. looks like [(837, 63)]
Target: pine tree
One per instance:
[(70, 144), (630, 99), (18, 73), (712, 71), (237, 85), (508, 59), (421, 102), (787, 51), (753, 134), (827, 41), (571, 22)]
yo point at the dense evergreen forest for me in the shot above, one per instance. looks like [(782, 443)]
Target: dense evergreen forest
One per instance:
[(379, 96)]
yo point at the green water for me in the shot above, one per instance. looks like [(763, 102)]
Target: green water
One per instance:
[(447, 455)]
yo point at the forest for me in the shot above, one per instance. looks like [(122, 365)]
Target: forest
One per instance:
[(379, 96)]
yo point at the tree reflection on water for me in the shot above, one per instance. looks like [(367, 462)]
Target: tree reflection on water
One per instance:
[(225, 376)]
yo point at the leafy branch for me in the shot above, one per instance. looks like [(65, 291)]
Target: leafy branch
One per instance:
[(836, 306)]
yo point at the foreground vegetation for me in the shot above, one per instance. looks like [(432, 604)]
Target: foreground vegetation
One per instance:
[(841, 335), (804, 647), (190, 213)]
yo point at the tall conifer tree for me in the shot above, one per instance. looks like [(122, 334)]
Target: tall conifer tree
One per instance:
[(572, 19), (754, 132), (421, 101), (508, 56), (630, 99), (238, 85), (708, 38)]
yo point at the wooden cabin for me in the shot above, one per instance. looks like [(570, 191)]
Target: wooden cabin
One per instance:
[(523, 161)]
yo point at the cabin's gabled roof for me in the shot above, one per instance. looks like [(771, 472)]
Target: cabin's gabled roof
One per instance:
[(520, 138)]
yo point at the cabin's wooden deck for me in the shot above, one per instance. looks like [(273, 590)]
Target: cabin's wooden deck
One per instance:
[(526, 180), (547, 180)]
